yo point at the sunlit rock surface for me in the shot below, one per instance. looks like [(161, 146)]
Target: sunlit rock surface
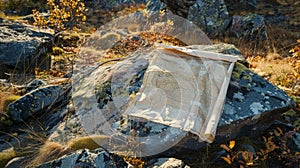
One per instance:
[(167, 162)]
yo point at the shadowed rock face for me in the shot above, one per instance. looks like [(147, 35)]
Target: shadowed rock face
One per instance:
[(35, 101), (23, 48), (250, 27), (211, 16)]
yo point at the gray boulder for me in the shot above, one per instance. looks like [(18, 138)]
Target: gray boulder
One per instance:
[(249, 27), (251, 106), (23, 47), (35, 101), (167, 163), (83, 158), (211, 16)]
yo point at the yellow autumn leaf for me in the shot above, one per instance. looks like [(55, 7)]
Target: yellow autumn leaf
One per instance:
[(83, 18), (162, 11), (249, 164), (231, 144), (227, 160)]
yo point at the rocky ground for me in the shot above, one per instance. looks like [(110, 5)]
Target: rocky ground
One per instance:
[(271, 59)]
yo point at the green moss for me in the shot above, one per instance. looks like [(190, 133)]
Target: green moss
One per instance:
[(88, 142), (248, 78), (10, 99), (6, 156), (240, 69), (295, 116), (57, 51), (5, 121), (291, 113), (296, 99), (236, 75), (103, 90)]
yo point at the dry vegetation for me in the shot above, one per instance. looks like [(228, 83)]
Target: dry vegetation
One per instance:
[(277, 59)]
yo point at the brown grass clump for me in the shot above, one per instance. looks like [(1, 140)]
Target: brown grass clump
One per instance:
[(49, 151), (5, 99), (53, 150), (281, 71)]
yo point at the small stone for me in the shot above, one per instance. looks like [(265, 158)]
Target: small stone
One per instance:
[(168, 162)]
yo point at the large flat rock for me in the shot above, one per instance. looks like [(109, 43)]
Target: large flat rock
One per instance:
[(252, 104)]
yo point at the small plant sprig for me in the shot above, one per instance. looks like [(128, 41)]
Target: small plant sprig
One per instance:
[(240, 158), (64, 14)]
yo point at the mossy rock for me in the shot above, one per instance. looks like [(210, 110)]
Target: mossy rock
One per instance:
[(238, 70)]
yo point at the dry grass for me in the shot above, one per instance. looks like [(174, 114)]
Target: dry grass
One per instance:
[(12, 18), (6, 156), (6, 97), (279, 71), (49, 151), (53, 150)]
